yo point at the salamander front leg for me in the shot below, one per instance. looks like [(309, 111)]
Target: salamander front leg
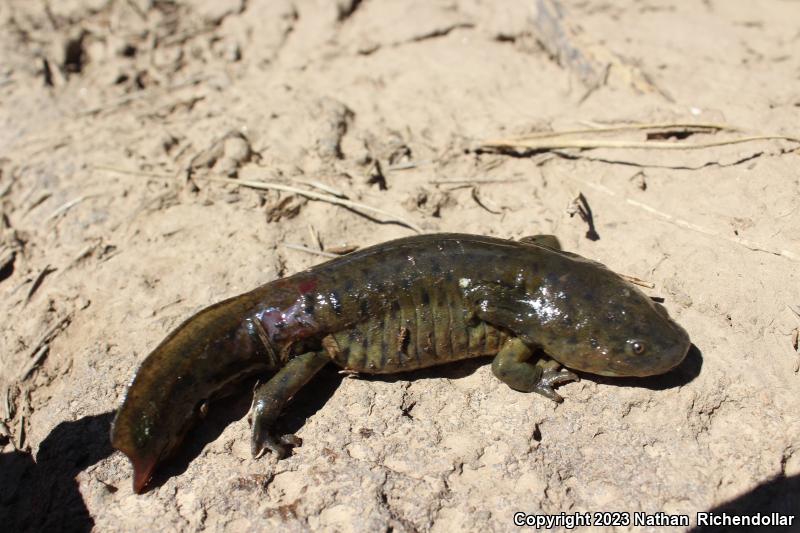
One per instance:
[(512, 367), (271, 397)]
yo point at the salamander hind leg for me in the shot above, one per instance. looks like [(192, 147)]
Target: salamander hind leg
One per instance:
[(271, 397), (512, 366)]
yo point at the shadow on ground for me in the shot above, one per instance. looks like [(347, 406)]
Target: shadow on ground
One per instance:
[(227, 410), (221, 413), (680, 375), (777, 495), (313, 397), (450, 370), (42, 495)]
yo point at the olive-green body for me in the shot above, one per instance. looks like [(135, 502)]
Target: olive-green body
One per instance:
[(408, 307), (398, 306)]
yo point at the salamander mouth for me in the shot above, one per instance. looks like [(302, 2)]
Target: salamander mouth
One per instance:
[(143, 463), (621, 369), (142, 472), (646, 369)]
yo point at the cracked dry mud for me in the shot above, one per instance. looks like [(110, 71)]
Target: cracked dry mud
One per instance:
[(113, 114)]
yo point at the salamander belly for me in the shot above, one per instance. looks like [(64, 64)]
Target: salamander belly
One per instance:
[(418, 328)]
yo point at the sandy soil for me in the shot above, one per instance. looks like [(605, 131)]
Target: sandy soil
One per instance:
[(108, 106)]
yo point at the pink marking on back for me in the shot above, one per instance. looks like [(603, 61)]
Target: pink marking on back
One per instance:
[(307, 286), (288, 323)]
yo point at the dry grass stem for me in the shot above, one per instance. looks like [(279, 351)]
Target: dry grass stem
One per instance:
[(637, 281), (50, 334), (408, 166), (265, 185), (602, 128), (467, 181), (20, 444), (159, 175), (301, 248), (84, 253), (554, 144), (69, 205), (321, 186), (6, 404), (315, 236), (38, 357)]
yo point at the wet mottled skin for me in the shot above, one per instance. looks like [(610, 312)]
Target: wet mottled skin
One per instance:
[(401, 305)]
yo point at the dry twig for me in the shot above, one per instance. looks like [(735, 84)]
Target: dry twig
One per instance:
[(38, 281), (38, 357), (20, 444), (482, 203), (50, 334)]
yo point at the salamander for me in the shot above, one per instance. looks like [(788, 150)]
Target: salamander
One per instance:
[(401, 305)]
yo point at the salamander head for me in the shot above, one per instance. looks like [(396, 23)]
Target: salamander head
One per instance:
[(149, 425), (201, 358), (601, 324)]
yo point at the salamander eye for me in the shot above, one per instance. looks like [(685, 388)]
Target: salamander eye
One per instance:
[(636, 347)]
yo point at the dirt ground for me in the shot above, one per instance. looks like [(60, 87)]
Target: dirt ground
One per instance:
[(114, 114)]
